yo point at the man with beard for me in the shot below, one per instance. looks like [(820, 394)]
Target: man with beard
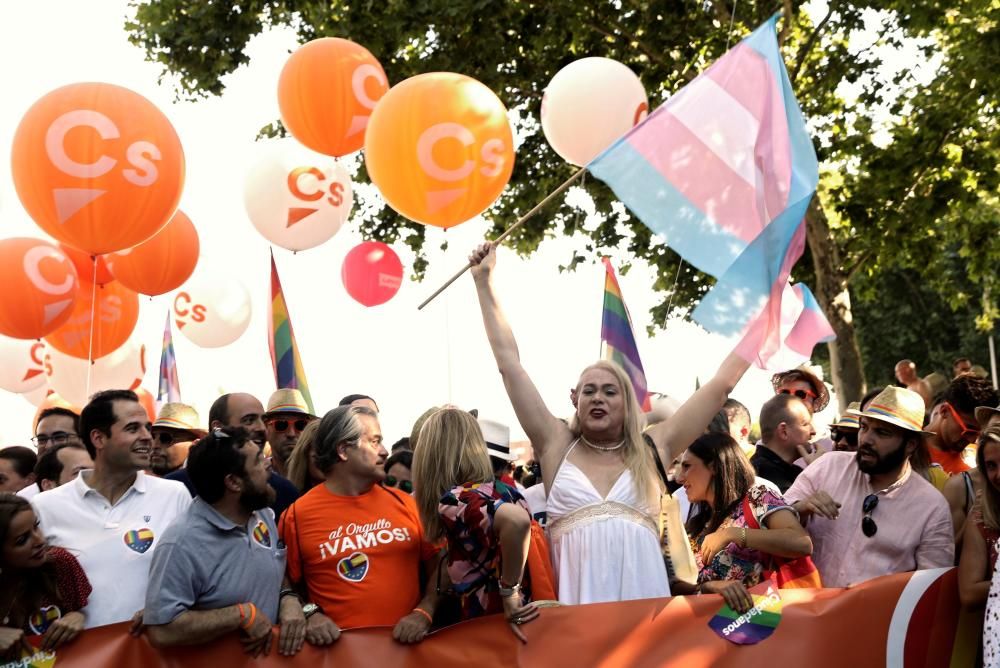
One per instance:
[(175, 429), (953, 424), (113, 517), (245, 410), (220, 567), (867, 512), (286, 417)]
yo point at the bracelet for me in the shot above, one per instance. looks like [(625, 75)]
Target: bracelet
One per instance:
[(243, 614), (245, 624), (743, 538), (430, 620), (289, 592)]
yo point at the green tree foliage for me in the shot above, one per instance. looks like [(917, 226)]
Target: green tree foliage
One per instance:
[(909, 172)]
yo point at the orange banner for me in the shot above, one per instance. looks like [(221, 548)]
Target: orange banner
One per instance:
[(906, 620)]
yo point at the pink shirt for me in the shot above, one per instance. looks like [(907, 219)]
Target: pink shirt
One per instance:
[(914, 524)]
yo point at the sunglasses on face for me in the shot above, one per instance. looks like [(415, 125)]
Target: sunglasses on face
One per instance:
[(849, 435), (281, 426), (166, 438), (404, 485), (801, 394), (969, 434), (868, 526)]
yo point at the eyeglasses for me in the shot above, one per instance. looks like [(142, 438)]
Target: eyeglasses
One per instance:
[(846, 433), (969, 434), (404, 485), (58, 438), (281, 426), (801, 394), (868, 526)]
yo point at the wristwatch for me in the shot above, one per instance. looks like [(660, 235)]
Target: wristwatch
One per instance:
[(310, 609)]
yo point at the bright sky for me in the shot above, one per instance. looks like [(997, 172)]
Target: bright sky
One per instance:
[(407, 360)]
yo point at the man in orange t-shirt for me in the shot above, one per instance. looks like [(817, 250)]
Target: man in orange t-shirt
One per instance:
[(953, 423), (356, 546)]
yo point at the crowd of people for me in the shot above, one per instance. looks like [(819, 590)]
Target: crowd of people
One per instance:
[(276, 517)]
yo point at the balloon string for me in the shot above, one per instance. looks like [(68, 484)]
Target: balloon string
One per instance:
[(93, 310), (499, 240)]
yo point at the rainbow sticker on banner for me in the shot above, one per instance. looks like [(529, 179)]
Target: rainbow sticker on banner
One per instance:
[(754, 625)]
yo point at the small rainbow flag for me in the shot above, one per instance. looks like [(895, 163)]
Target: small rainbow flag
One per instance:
[(285, 358), (754, 625), (170, 386), (617, 337)]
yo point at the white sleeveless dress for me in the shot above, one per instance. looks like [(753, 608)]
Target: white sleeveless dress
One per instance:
[(603, 549)]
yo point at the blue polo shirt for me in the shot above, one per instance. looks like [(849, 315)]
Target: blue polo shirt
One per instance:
[(204, 562)]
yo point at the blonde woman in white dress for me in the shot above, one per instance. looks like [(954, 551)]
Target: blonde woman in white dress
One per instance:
[(598, 471)]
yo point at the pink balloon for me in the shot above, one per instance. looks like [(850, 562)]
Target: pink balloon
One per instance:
[(372, 273)]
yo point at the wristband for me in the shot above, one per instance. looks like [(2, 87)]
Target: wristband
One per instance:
[(245, 624), (430, 620), (289, 592)]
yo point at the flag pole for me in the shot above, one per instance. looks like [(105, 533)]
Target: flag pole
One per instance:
[(499, 240)]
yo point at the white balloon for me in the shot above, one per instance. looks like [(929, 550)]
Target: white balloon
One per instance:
[(36, 396), (297, 198), (122, 369), (212, 309), (588, 105), (21, 363)]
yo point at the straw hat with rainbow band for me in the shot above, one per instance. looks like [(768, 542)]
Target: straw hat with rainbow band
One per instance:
[(898, 406), (849, 420), (179, 416), (287, 401)]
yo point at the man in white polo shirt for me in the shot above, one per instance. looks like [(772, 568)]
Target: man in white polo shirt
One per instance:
[(111, 518)]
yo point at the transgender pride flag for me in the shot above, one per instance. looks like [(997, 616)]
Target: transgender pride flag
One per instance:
[(725, 170)]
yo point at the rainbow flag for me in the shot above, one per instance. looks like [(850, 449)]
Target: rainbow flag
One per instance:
[(285, 357), (170, 386), (618, 338), (724, 170)]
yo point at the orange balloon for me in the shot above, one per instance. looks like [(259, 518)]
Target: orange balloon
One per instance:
[(162, 263), (439, 148), (84, 264), (97, 166), (52, 400), (148, 402), (117, 310), (326, 93), (39, 288)]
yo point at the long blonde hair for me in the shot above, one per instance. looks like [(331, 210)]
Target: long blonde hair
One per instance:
[(452, 452), (636, 452), (991, 495), (297, 466)]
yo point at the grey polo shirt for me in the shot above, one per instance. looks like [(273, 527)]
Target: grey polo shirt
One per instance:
[(205, 562)]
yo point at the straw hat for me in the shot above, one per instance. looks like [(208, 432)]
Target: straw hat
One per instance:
[(179, 416), (819, 387), (849, 420), (898, 406), (984, 414), (497, 437), (287, 400)]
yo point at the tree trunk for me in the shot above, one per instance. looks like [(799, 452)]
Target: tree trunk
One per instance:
[(835, 300)]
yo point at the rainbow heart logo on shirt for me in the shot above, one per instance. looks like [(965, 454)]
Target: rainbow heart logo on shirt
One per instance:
[(139, 540), (754, 625), (354, 567), (261, 534), (43, 619)]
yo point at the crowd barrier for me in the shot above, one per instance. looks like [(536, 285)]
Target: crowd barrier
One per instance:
[(909, 620)]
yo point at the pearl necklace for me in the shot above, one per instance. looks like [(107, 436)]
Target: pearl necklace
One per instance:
[(603, 448)]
